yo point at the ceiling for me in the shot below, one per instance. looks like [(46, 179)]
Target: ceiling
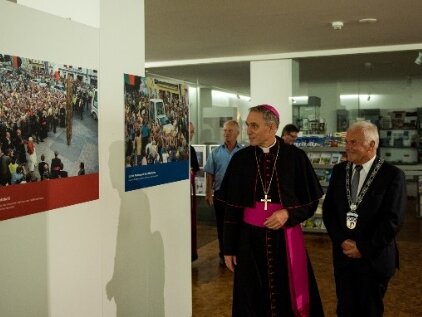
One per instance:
[(218, 30)]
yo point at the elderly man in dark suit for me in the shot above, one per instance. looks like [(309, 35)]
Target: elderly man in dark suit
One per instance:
[(362, 211)]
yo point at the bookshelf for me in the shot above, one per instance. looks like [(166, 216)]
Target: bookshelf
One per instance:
[(399, 146), (323, 158)]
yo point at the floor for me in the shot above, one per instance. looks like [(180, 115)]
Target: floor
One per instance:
[(212, 284)]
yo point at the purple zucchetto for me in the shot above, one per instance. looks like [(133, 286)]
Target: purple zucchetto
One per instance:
[(272, 109)]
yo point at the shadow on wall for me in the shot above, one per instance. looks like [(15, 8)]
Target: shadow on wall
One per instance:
[(137, 285), (24, 276)]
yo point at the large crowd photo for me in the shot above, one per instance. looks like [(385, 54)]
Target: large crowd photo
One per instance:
[(156, 121), (48, 127)]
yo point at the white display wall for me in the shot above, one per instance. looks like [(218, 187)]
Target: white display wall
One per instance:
[(81, 11), (126, 254)]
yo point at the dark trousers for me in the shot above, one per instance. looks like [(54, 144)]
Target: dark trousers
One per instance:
[(359, 293), (219, 217)]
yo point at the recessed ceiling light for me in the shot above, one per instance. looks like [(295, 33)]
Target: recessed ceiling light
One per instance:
[(368, 20), (337, 25)]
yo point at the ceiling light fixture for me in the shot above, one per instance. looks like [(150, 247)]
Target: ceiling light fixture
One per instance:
[(368, 20), (418, 60), (299, 99), (368, 65), (337, 25)]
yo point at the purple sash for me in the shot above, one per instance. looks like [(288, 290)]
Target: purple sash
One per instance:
[(296, 256)]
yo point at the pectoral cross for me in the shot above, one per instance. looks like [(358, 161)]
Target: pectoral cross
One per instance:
[(265, 201)]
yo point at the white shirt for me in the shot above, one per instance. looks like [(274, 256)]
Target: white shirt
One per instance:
[(366, 167)]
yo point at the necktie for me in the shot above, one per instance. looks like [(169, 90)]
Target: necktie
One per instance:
[(355, 182)]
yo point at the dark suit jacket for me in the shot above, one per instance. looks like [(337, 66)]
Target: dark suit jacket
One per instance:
[(380, 215)]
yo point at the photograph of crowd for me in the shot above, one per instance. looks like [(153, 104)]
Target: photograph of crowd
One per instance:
[(156, 122), (48, 121)]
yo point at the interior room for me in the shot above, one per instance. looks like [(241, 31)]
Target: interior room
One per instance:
[(128, 253), (358, 84)]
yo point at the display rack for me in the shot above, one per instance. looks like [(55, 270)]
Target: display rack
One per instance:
[(414, 177), (200, 180), (306, 116), (203, 151), (346, 117), (399, 146), (323, 159)]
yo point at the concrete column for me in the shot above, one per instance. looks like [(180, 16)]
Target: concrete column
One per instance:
[(205, 131), (273, 82)]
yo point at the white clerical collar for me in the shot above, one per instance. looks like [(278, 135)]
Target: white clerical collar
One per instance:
[(267, 149)]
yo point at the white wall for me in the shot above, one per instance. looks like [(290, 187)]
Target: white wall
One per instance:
[(126, 254), (50, 261), (82, 11)]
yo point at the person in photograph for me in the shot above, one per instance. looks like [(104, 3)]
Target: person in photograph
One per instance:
[(45, 174), (41, 166), (31, 157), (33, 125), (138, 147), (55, 120), (194, 168), (164, 155), (362, 211), (80, 105), (56, 165), (153, 151), (19, 145), (269, 189), (43, 126), (128, 161), (81, 169), (289, 133), (215, 169), (145, 135), (7, 144), (19, 176), (62, 116), (5, 175), (13, 165), (50, 118), (148, 148)]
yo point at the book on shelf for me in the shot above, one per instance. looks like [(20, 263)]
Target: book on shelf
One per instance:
[(325, 158), (314, 223), (318, 223), (335, 158), (200, 184), (314, 157), (308, 223), (318, 211), (323, 175), (328, 175)]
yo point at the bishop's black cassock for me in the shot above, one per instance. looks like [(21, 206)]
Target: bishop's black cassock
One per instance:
[(261, 279)]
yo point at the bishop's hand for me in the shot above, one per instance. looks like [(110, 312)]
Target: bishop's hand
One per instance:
[(277, 219), (230, 261)]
